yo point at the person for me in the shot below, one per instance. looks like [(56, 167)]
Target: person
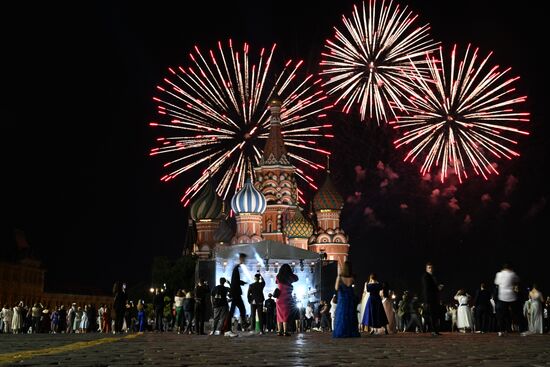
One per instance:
[(387, 303), (178, 303), (345, 323), (285, 302), (464, 314), (505, 280), (141, 315), (189, 310), (362, 306), (270, 307), (256, 299), (201, 296), (158, 306), (375, 316), (119, 305), (430, 294), (534, 312), (6, 314), (54, 321), (482, 310), (236, 295), (219, 305), (71, 315)]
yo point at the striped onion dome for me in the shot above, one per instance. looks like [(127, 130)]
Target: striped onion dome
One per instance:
[(328, 197), (248, 200), (298, 227), (207, 205)]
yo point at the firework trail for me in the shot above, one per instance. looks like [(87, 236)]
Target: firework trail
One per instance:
[(367, 63), (216, 117), (461, 116)]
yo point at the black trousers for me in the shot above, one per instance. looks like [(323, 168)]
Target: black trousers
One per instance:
[(271, 322), (482, 318), (237, 303), (253, 309), (431, 316), (200, 315), (158, 319), (504, 315)]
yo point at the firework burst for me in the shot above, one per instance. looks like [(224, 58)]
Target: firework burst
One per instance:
[(366, 63), (461, 116), (216, 116)]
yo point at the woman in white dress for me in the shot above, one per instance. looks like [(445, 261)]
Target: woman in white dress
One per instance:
[(17, 319), (533, 310), (464, 320), (362, 306)]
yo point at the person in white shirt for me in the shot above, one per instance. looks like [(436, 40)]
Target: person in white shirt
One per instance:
[(505, 280)]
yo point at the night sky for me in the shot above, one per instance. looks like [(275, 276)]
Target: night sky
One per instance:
[(80, 183)]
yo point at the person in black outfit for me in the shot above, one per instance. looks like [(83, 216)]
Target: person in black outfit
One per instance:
[(219, 306), (236, 293), (119, 305), (256, 299), (483, 308), (158, 305), (430, 293), (201, 297), (270, 306)]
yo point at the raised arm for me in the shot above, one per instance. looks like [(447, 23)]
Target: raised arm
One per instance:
[(337, 284)]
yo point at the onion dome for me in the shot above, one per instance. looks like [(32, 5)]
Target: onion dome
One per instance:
[(328, 197), (207, 205), (298, 227), (224, 233), (248, 200)]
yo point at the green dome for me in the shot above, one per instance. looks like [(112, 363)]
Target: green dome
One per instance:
[(328, 197), (207, 205), (298, 227)]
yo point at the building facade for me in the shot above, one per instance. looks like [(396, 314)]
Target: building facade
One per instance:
[(268, 208)]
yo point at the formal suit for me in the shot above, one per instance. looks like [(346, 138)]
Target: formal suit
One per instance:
[(236, 293), (430, 293), (256, 299)]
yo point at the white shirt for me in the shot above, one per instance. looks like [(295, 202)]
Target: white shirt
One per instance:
[(506, 279)]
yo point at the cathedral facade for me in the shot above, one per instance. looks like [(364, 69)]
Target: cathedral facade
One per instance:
[(267, 209)]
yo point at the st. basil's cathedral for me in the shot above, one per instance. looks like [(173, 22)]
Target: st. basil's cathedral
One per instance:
[(268, 208)]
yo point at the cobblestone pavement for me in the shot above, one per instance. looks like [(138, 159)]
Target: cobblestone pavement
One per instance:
[(309, 349)]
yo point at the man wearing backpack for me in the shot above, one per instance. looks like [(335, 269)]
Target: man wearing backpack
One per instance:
[(219, 306)]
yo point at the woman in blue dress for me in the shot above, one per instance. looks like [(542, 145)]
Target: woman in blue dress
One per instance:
[(345, 323), (375, 316)]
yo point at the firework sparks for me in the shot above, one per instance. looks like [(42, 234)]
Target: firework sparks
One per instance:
[(461, 116), (217, 117), (366, 64)]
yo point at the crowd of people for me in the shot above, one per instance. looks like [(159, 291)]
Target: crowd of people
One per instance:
[(500, 307)]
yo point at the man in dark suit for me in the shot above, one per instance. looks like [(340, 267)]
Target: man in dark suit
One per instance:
[(256, 299), (430, 293), (236, 293)]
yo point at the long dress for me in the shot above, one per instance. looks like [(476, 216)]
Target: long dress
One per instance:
[(390, 314), (363, 304), (285, 303), (464, 315), (16, 320), (533, 310), (374, 316), (345, 323)]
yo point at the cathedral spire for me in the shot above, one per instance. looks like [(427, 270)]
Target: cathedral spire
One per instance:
[(275, 151)]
